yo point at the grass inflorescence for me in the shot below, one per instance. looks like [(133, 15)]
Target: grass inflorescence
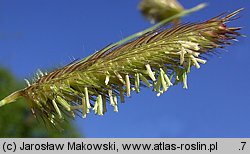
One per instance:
[(158, 59)]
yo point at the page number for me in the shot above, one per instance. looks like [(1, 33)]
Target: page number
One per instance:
[(242, 145)]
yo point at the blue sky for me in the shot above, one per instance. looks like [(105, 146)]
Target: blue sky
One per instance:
[(47, 34)]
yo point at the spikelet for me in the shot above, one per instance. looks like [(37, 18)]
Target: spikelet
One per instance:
[(160, 58)]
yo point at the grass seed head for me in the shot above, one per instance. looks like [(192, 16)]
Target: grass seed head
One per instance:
[(162, 57)]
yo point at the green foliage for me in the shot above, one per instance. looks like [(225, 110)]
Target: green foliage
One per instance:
[(16, 120)]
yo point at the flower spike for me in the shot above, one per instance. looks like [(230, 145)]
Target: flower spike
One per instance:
[(161, 57)]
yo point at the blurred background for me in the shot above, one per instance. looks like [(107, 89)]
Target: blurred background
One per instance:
[(48, 34)]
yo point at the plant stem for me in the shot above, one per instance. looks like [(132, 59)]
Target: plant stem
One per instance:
[(11, 98)]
